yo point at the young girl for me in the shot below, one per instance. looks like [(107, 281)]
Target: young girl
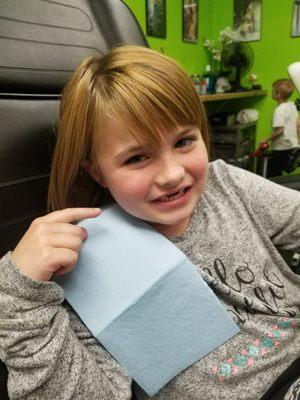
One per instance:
[(133, 131)]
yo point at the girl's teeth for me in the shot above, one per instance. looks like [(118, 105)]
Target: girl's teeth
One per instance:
[(173, 196)]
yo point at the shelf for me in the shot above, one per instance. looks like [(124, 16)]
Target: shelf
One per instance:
[(231, 96), (233, 127)]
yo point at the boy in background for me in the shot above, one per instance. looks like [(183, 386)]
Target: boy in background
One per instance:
[(284, 127)]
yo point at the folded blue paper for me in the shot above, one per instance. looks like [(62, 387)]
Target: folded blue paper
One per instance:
[(144, 300)]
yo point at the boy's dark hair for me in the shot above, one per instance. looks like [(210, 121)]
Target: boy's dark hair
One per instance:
[(284, 87)]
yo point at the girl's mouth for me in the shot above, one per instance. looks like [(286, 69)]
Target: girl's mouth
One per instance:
[(172, 197)]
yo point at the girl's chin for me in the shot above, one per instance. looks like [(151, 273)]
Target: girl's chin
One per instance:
[(171, 227)]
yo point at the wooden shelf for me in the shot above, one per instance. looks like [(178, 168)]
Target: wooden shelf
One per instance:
[(231, 96)]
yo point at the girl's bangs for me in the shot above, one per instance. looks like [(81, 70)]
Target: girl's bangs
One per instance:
[(149, 113)]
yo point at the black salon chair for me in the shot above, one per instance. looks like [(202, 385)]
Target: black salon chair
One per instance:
[(41, 42), (290, 181)]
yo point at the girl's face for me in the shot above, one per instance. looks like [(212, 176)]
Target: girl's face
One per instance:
[(161, 186)]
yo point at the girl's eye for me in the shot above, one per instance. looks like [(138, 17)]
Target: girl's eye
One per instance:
[(185, 142), (136, 159)]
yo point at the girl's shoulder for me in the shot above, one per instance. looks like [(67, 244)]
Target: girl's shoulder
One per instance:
[(229, 179), (219, 172), (225, 180)]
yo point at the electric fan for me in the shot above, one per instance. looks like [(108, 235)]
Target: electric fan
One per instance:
[(237, 60)]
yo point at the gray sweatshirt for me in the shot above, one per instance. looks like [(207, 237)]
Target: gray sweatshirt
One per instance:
[(231, 239)]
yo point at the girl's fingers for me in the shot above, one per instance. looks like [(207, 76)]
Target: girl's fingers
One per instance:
[(53, 259), (42, 231), (69, 215), (68, 229), (52, 242), (63, 270), (62, 258), (65, 241)]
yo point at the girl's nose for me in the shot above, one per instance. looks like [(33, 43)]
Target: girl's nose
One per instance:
[(171, 174)]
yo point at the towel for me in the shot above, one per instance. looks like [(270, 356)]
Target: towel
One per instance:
[(144, 300)]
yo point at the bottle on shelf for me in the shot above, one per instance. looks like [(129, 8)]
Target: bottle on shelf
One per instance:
[(203, 86), (197, 82), (209, 78)]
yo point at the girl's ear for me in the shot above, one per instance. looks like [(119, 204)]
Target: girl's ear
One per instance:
[(95, 174)]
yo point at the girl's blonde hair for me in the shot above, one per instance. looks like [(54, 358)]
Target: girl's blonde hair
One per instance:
[(144, 90)]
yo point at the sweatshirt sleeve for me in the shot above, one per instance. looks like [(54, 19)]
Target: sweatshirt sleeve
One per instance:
[(49, 353), (276, 207)]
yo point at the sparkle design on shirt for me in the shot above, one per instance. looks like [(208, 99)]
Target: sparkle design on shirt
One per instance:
[(257, 349)]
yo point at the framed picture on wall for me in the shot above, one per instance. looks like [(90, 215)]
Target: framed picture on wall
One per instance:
[(247, 20), (190, 21), (156, 18), (296, 19)]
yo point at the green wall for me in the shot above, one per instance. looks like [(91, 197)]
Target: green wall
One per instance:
[(192, 56), (273, 53)]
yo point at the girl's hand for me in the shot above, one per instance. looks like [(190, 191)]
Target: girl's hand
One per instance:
[(52, 243)]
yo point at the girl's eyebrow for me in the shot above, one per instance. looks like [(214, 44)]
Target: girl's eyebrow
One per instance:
[(128, 151), (185, 130)]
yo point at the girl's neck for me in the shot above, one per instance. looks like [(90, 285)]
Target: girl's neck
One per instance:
[(171, 230)]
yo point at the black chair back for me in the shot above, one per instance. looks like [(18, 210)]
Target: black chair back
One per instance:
[(41, 42)]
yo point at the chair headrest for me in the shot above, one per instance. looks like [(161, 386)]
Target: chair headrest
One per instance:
[(41, 42)]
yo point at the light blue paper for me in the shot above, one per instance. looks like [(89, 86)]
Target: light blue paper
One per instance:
[(144, 300)]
